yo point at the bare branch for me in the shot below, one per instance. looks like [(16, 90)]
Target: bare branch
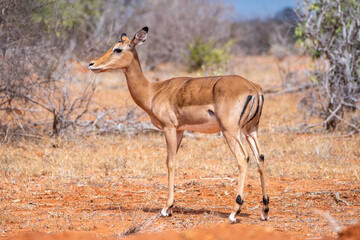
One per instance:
[(332, 27)]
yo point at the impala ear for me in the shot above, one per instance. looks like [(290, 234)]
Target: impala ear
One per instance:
[(139, 37), (124, 38)]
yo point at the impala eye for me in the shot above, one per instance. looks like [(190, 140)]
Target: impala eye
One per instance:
[(117, 50)]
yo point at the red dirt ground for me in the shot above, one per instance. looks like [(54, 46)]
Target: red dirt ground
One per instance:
[(221, 232), (132, 205)]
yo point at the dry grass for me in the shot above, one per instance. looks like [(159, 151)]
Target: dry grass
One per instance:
[(287, 155)]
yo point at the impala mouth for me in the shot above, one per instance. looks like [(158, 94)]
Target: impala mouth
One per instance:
[(95, 69)]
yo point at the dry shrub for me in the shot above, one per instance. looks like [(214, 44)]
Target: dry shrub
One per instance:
[(36, 100), (38, 94), (329, 31)]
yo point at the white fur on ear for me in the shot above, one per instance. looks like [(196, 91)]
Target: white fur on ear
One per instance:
[(140, 37)]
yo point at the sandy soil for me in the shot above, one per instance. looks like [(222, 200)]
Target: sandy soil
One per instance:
[(124, 206)]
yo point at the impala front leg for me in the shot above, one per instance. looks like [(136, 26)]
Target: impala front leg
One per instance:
[(171, 143)]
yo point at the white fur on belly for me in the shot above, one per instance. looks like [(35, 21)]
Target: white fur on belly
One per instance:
[(211, 126)]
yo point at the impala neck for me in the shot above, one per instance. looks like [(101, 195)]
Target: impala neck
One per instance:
[(139, 86)]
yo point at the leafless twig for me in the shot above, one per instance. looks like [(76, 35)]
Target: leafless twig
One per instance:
[(334, 224)]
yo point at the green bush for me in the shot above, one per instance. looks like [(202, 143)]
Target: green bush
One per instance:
[(205, 55), (62, 16)]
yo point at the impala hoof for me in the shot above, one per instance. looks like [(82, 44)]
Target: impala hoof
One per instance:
[(264, 216), (232, 218), (166, 212)]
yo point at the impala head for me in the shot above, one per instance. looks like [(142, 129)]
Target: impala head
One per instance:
[(121, 54)]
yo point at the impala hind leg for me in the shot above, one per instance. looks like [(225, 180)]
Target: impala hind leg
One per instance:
[(172, 142), (254, 145), (179, 137), (237, 148)]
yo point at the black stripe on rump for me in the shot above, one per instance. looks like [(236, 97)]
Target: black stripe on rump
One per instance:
[(246, 103), (257, 109), (262, 104)]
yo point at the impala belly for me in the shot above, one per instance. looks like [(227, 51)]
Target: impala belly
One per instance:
[(200, 121), (211, 126)]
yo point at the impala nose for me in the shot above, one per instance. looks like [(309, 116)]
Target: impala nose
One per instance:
[(92, 63)]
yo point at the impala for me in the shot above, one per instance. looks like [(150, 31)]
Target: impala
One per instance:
[(230, 104)]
